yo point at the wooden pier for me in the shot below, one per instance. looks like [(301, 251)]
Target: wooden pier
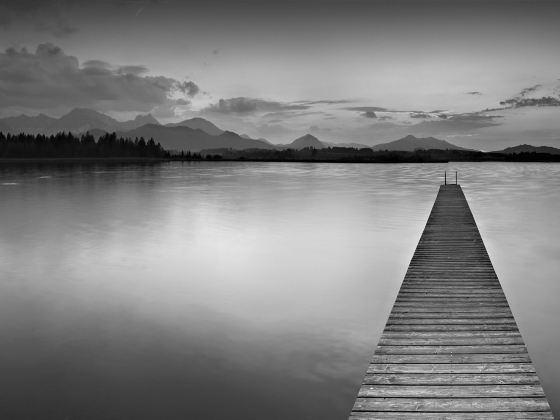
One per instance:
[(451, 348)]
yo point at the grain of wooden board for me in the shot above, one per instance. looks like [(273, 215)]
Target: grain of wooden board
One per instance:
[(451, 348)]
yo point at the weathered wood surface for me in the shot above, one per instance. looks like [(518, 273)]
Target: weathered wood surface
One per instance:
[(451, 348)]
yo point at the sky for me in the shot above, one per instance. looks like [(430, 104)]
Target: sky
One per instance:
[(343, 70)]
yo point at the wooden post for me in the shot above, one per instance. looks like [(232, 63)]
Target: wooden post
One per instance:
[(445, 178), (455, 177)]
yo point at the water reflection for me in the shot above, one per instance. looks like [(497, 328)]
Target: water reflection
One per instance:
[(214, 290)]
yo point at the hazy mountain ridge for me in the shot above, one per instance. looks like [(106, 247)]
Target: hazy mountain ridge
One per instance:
[(198, 134), (302, 142), (411, 143), (527, 148), (181, 138), (350, 144), (78, 120), (198, 123), (193, 135)]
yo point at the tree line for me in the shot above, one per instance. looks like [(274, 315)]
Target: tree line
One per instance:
[(68, 145), (367, 155)]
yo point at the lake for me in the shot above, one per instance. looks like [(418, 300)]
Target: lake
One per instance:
[(212, 290)]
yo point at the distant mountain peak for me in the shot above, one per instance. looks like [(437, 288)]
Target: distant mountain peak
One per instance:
[(307, 140), (527, 148), (84, 111), (144, 117), (198, 123), (183, 138), (410, 143)]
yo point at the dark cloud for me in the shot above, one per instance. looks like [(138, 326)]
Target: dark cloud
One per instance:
[(521, 99), (521, 102), (96, 64), (243, 105), (529, 89), (419, 115), (190, 88), (134, 70), (328, 101), (49, 78), (369, 114), (290, 113), (457, 123), (474, 92), (367, 109)]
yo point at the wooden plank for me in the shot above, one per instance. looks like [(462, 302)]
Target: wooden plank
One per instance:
[(448, 334), (480, 349), (450, 341), (448, 327), (451, 348), (452, 358), (448, 321), (450, 391), (445, 309), (528, 415), (451, 315), (457, 368), (451, 379), (452, 404)]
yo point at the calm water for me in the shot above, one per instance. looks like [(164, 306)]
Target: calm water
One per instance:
[(238, 290)]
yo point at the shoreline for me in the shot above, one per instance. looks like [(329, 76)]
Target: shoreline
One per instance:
[(538, 158), (82, 160)]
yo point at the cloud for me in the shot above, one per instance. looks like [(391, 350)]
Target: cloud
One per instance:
[(244, 105), (457, 123), (474, 92), (528, 90), (536, 95), (369, 114), (190, 88), (134, 70), (419, 115), (51, 79), (366, 109), (328, 102), (521, 102)]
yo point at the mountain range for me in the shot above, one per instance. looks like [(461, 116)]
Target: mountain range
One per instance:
[(197, 134), (411, 143), (193, 134), (527, 148), (200, 124), (79, 120), (183, 138), (302, 142)]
